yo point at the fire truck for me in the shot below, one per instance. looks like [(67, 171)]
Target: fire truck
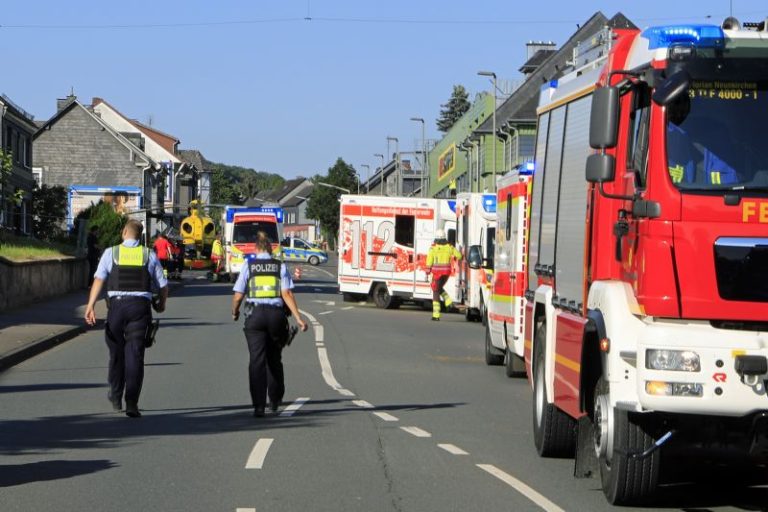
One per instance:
[(506, 304), (646, 305), (475, 227), (383, 245), (241, 225)]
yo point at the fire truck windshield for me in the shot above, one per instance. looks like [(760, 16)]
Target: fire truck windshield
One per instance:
[(245, 232), (716, 137)]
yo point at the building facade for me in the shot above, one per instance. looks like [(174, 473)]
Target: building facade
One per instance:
[(17, 128)]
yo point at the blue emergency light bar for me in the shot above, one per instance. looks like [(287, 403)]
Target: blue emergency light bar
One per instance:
[(527, 169), (489, 203), (700, 36), (278, 212)]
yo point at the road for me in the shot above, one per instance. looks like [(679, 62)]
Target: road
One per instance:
[(385, 411)]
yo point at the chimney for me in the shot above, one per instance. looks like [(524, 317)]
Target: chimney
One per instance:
[(63, 103)]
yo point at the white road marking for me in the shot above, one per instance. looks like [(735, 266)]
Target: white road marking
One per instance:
[(416, 431), (295, 406), (325, 313), (319, 332), (345, 392), (319, 344), (386, 416), (258, 454), (326, 302), (363, 404), (245, 510), (324, 271), (325, 365), (520, 487), (348, 308), (452, 448)]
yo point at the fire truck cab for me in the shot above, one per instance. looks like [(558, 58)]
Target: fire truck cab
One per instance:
[(475, 237), (383, 245), (647, 295)]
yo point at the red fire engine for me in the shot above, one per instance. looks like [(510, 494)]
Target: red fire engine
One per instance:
[(646, 314)]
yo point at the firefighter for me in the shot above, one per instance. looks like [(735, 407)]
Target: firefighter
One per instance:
[(266, 286), (130, 270), (439, 259)]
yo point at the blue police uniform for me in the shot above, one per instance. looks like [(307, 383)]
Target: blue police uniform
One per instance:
[(266, 325), (129, 288)]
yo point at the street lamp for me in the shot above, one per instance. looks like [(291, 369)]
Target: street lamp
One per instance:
[(367, 178), (425, 161), (493, 79), (322, 184), (398, 183)]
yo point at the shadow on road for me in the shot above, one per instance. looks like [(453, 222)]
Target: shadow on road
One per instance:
[(49, 387), (19, 474)]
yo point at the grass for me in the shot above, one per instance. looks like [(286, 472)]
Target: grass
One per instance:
[(24, 249)]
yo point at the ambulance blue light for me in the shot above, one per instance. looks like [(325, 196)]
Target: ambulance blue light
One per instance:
[(527, 169), (452, 205), (700, 36), (489, 203)]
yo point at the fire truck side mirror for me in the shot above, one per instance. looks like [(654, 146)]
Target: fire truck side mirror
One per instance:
[(604, 118), (600, 168), (672, 88), (475, 257)]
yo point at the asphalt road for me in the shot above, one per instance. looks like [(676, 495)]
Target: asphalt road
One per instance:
[(385, 411)]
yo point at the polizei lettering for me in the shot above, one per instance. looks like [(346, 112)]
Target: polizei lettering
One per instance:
[(265, 268)]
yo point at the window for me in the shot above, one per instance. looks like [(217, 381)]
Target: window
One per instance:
[(508, 226), (451, 236), (637, 147), (551, 189), (299, 244), (405, 226), (37, 173), (286, 242), (490, 244)]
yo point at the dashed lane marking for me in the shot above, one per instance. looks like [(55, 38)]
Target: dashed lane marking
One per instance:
[(295, 406), (453, 449), (258, 454), (364, 404), (348, 308), (345, 392), (245, 510), (319, 344), (325, 313), (520, 487), (416, 431), (386, 416)]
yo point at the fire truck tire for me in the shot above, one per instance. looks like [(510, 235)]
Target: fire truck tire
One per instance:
[(383, 299), (514, 365), (554, 432), (313, 260), (625, 480), (493, 356)]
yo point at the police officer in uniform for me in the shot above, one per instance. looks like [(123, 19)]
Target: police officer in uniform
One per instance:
[(266, 286), (129, 270), (439, 265)]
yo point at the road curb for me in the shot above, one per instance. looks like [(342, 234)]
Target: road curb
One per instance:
[(38, 346)]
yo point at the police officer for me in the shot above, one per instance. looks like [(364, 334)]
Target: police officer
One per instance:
[(129, 270), (439, 265), (266, 286)]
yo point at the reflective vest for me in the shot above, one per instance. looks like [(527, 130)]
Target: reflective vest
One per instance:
[(130, 270), (264, 279), (217, 250), (439, 257)]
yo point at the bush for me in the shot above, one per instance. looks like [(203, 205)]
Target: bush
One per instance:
[(109, 222), (49, 208)]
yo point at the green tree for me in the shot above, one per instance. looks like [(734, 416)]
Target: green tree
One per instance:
[(223, 190), (232, 184), (49, 208), (109, 222), (452, 111), (323, 204)]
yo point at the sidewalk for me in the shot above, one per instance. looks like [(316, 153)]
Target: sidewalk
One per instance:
[(28, 331)]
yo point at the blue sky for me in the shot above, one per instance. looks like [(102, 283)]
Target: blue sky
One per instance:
[(253, 83)]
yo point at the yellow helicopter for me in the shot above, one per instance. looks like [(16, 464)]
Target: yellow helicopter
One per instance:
[(198, 232)]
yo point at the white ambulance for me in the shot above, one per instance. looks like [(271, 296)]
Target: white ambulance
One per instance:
[(475, 227), (383, 245), (504, 342), (241, 226)]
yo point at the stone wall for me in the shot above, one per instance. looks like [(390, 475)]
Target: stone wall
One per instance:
[(23, 283)]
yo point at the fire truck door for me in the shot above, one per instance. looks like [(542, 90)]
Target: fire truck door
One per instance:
[(405, 250)]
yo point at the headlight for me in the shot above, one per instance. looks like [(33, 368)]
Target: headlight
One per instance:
[(658, 388), (672, 360)]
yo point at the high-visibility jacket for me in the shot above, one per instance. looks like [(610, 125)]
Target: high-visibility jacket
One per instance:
[(130, 270), (439, 258), (216, 249), (264, 279)]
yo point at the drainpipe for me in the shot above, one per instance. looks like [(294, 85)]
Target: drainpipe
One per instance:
[(507, 137), (514, 133), (476, 146)]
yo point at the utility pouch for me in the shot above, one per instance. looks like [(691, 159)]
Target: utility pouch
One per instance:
[(248, 310), (290, 334), (149, 340)]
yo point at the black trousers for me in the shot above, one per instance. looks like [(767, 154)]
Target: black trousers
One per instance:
[(265, 330), (128, 322)]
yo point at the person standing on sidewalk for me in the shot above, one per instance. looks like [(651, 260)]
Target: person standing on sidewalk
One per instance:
[(164, 251), (130, 270), (439, 259), (266, 286)]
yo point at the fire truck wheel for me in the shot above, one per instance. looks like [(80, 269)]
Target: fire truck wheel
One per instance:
[(383, 299), (514, 365), (554, 432), (626, 480), (313, 260), (493, 356)]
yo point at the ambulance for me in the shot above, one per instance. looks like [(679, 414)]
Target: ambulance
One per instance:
[(475, 228), (504, 343), (383, 245), (241, 225)]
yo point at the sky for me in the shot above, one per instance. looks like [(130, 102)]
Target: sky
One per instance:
[(288, 86)]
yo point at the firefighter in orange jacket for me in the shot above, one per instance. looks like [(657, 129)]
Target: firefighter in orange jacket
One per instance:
[(439, 259)]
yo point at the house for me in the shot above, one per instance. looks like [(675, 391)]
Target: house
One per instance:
[(81, 151), (17, 127), (292, 197), (384, 181), (196, 160), (181, 177)]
